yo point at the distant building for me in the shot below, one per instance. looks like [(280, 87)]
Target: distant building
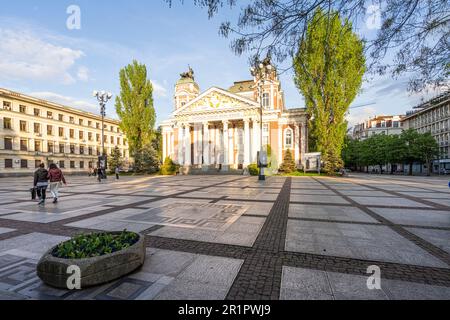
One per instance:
[(433, 116), (35, 131), (388, 125)]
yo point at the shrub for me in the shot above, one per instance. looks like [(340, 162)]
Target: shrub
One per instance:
[(95, 245), (169, 167), (288, 165), (253, 169)]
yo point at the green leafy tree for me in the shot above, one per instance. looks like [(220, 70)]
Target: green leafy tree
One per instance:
[(115, 159), (428, 150), (146, 160), (134, 106), (157, 142), (288, 165), (329, 68), (409, 148)]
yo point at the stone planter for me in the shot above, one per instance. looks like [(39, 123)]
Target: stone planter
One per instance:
[(94, 271)]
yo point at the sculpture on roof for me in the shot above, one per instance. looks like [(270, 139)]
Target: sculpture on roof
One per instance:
[(188, 75)]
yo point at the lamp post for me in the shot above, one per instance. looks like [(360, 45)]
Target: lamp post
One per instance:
[(102, 98), (262, 72)]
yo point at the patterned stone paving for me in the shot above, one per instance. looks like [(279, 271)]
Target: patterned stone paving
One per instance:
[(237, 238)]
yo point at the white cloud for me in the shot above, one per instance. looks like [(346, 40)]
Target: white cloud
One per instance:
[(83, 73), (65, 100), (359, 115), (158, 89), (25, 55)]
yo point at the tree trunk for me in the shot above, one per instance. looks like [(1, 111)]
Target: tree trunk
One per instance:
[(410, 169)]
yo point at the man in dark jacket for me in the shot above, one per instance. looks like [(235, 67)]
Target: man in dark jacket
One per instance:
[(41, 182)]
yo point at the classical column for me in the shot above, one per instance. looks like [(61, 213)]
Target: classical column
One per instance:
[(303, 147), (218, 145), (172, 145), (226, 146), (187, 145), (164, 145), (256, 145), (206, 144), (232, 137), (297, 144), (246, 142), (180, 144), (280, 144), (195, 143)]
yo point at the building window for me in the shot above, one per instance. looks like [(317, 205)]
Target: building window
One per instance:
[(37, 128), (23, 126), (8, 163), (72, 120), (62, 148), (97, 125), (81, 149), (8, 144), (37, 145), (37, 163), (266, 100), (81, 164), (50, 130), (49, 115), (61, 132), (50, 147), (89, 123), (72, 164), (7, 123), (62, 164), (37, 112), (288, 139), (90, 151), (80, 121), (81, 135), (24, 164), (98, 137), (60, 117), (118, 141), (7, 106), (23, 145), (90, 136), (112, 140), (72, 133), (91, 165), (22, 109), (72, 149), (396, 124)]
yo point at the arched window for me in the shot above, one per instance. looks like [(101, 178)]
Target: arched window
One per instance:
[(288, 138)]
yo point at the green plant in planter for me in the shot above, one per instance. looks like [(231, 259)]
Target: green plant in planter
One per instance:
[(95, 245), (169, 167)]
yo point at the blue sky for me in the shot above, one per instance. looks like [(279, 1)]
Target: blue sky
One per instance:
[(40, 56)]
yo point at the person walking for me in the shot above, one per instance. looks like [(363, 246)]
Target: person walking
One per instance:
[(117, 173), (41, 183), (56, 178)]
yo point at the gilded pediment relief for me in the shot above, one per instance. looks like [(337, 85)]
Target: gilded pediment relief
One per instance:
[(216, 101)]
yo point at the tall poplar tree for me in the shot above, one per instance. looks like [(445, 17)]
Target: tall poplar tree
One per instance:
[(329, 69), (134, 106)]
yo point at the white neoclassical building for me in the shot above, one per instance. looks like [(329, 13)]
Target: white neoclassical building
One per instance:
[(221, 129)]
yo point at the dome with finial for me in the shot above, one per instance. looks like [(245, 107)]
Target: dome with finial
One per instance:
[(186, 89)]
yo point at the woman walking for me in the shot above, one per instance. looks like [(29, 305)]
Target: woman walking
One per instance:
[(56, 179), (41, 183)]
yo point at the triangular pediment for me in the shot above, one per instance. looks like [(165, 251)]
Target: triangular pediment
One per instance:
[(216, 99)]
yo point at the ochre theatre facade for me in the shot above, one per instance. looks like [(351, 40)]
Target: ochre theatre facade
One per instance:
[(221, 129)]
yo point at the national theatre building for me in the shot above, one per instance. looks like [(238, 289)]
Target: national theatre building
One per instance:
[(220, 129)]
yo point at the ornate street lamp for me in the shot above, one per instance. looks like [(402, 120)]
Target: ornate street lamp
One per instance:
[(262, 71), (103, 97)]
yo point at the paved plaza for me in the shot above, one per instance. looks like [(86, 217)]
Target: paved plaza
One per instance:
[(233, 237)]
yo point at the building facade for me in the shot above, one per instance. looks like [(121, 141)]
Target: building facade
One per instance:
[(34, 131), (221, 129), (434, 116), (388, 125)]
